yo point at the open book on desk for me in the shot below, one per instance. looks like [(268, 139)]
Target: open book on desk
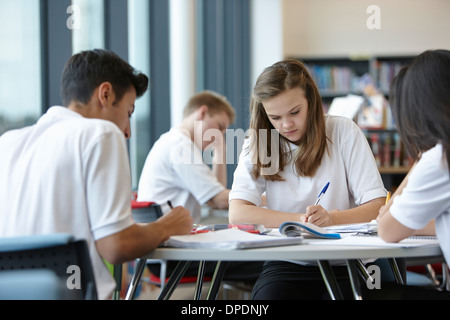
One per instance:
[(298, 229), (294, 228), (229, 239)]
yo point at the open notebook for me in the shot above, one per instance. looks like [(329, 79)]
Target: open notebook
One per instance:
[(229, 239)]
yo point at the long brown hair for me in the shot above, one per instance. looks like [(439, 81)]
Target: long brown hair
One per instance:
[(420, 102), (274, 80)]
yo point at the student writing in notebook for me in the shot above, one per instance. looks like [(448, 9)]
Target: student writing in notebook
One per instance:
[(292, 152), (70, 173), (420, 102)]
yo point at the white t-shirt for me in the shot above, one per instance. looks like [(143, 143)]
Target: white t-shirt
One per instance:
[(427, 197), (175, 171), (349, 166), (66, 174)]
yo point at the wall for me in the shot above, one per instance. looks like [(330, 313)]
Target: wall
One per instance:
[(267, 35), (338, 28)]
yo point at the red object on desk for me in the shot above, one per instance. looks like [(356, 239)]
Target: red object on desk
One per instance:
[(139, 205), (250, 228)]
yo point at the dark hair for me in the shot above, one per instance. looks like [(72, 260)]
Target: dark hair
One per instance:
[(85, 71), (420, 101)]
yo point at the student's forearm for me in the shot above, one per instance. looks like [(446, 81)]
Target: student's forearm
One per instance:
[(220, 171), (245, 212), (399, 188), (131, 243), (140, 239), (429, 230), (220, 200), (363, 213), (219, 166)]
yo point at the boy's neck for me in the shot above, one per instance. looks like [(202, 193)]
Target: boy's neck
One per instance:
[(187, 125)]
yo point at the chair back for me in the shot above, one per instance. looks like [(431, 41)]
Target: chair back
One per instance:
[(145, 212), (67, 258)]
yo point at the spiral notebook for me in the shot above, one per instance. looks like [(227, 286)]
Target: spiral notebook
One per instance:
[(374, 240), (367, 227)]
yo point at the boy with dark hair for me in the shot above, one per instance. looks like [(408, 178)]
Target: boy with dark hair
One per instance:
[(69, 173)]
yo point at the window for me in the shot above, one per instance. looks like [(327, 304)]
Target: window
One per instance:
[(20, 76), (88, 28), (139, 56)]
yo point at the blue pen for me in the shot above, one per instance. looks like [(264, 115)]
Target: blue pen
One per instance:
[(322, 193)]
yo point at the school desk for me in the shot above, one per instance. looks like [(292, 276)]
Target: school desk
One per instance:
[(311, 250)]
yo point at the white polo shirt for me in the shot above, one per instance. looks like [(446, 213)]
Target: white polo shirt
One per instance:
[(427, 197), (349, 166), (175, 171), (66, 174)]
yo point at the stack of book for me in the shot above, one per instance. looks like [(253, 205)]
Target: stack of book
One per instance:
[(334, 78), (388, 149), (387, 70)]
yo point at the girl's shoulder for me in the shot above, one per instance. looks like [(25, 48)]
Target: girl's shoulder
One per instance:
[(340, 126), (340, 122)]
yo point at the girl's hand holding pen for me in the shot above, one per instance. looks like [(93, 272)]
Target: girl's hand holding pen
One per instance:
[(317, 215)]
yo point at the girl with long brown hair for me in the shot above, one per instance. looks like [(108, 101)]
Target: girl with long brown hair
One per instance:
[(292, 152)]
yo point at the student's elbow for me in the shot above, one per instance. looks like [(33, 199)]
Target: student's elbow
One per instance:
[(112, 255), (387, 236), (391, 231), (114, 258), (235, 211), (220, 201), (118, 248)]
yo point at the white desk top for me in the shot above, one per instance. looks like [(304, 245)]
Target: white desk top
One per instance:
[(304, 252)]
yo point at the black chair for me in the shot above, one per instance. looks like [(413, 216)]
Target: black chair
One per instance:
[(40, 256)]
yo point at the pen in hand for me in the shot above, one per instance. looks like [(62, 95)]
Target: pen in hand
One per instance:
[(169, 203), (387, 198), (322, 193)]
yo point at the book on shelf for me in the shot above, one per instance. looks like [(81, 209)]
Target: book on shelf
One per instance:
[(333, 79), (386, 71), (387, 149)]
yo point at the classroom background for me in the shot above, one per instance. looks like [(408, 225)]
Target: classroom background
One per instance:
[(191, 45), (353, 48)]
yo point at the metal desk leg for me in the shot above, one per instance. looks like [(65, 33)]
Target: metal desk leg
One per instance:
[(396, 271), (363, 270), (330, 280), (139, 269), (445, 277), (174, 279), (354, 281), (199, 284), (216, 280)]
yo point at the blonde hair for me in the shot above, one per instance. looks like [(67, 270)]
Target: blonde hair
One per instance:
[(215, 102), (273, 81)]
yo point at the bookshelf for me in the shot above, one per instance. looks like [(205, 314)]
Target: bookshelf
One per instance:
[(337, 77), (384, 69), (340, 76)]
